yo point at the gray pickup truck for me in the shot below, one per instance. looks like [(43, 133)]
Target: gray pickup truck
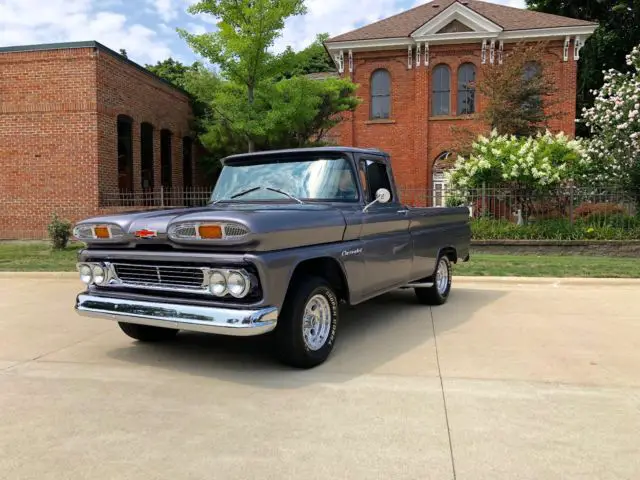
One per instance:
[(286, 237)]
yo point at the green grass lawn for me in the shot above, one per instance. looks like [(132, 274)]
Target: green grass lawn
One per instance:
[(549, 266), (38, 257)]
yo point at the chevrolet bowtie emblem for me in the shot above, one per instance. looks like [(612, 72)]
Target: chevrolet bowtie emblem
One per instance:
[(145, 233)]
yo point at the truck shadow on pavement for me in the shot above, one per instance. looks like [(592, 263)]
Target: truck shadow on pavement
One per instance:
[(371, 337)]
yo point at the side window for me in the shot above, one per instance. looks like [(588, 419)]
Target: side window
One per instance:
[(376, 177)]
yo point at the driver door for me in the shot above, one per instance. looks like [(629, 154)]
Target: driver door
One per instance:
[(387, 247)]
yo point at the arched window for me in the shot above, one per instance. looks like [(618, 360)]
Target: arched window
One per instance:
[(531, 69), (466, 89), (380, 94), (125, 153), (440, 100), (165, 158), (439, 179), (146, 156)]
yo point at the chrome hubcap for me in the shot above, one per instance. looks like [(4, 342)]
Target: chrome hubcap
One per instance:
[(317, 322), (442, 277)]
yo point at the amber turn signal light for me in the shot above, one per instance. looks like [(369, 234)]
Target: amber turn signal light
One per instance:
[(102, 232), (210, 232)]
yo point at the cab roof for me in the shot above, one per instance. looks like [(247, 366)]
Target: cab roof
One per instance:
[(241, 157)]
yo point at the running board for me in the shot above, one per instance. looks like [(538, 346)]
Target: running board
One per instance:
[(418, 285)]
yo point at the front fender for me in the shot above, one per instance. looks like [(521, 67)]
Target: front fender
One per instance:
[(277, 268)]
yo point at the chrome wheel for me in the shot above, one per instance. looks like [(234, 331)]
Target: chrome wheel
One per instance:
[(442, 276), (316, 322)]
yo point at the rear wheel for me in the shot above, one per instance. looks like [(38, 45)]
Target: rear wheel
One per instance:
[(307, 325), (438, 293), (146, 333)]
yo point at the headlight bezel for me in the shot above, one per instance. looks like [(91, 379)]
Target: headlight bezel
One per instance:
[(227, 274), (191, 232), (87, 232), (104, 267)]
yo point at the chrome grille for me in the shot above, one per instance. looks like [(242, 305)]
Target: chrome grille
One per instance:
[(169, 277), (231, 231)]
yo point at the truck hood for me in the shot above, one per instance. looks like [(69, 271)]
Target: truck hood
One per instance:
[(272, 226)]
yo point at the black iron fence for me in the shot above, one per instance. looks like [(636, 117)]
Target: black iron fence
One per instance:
[(604, 205), (162, 197), (522, 206)]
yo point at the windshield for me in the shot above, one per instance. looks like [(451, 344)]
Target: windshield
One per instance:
[(320, 178)]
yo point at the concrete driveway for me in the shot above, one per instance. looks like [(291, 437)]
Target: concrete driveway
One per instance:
[(510, 380)]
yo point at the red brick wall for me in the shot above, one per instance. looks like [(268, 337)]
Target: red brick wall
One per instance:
[(412, 136), (58, 133), (48, 137), (125, 90)]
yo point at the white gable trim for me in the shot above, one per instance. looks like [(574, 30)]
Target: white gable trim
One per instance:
[(457, 11)]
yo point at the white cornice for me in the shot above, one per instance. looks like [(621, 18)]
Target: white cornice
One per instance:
[(463, 37), (558, 32), (457, 11), (376, 44)]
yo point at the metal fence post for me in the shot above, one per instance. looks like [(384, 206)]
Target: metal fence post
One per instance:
[(484, 198), (162, 195), (571, 203)]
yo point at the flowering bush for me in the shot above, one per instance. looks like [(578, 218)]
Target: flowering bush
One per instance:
[(614, 121), (521, 166), (534, 163)]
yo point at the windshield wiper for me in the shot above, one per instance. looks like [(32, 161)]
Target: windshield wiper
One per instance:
[(249, 190), (245, 192), (236, 195), (285, 193)]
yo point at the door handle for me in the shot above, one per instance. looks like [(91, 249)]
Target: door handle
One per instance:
[(403, 212)]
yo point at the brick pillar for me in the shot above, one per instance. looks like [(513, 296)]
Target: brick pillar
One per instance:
[(157, 176), (136, 156), (347, 129), (176, 168), (421, 161)]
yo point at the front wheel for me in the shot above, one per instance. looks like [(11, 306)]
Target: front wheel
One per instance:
[(307, 325), (438, 293)]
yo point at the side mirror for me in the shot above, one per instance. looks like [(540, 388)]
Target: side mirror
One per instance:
[(382, 196)]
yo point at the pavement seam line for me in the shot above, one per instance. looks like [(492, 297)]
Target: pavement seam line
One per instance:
[(444, 398), (46, 354)]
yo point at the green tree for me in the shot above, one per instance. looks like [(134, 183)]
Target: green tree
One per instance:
[(607, 48), (518, 92), (302, 111), (312, 59), (174, 71), (240, 47)]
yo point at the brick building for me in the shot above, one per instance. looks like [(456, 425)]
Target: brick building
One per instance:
[(84, 130), (417, 70)]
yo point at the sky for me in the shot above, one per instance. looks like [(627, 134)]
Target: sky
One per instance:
[(146, 29)]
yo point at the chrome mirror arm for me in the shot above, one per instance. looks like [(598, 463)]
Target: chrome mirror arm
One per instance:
[(369, 205)]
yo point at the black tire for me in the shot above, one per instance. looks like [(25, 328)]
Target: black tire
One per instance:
[(146, 333), (290, 344), (434, 295)]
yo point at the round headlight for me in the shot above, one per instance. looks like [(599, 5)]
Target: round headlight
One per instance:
[(218, 284), (237, 284), (99, 274), (85, 274)]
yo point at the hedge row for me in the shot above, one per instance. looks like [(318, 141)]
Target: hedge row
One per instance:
[(614, 227)]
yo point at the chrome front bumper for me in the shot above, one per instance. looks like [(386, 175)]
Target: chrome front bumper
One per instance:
[(221, 321)]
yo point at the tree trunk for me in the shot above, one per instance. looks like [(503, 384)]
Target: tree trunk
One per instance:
[(251, 142)]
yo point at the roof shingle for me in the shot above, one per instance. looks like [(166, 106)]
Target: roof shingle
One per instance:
[(509, 18)]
